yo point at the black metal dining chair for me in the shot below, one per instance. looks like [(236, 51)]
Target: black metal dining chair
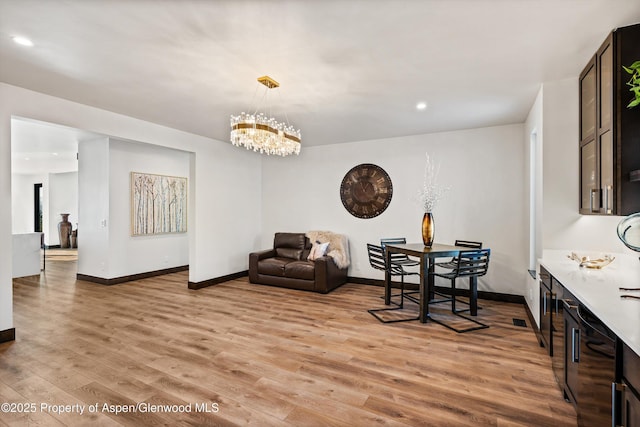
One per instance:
[(469, 264), (400, 259), (377, 260), (451, 264)]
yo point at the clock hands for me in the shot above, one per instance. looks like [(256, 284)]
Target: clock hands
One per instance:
[(364, 186)]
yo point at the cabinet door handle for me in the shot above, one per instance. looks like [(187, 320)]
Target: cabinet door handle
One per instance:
[(606, 191), (593, 191), (554, 299), (544, 303), (575, 345)]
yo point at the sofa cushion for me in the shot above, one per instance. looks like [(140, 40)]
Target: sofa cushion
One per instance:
[(300, 270), (273, 266), (289, 253), (289, 240)]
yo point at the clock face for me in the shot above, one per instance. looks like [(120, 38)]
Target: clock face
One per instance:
[(366, 191)]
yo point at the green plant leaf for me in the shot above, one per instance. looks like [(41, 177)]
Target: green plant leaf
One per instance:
[(634, 83)]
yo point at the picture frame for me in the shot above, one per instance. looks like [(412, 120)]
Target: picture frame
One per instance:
[(158, 204)]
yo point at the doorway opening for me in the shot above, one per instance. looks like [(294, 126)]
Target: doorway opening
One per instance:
[(37, 208)]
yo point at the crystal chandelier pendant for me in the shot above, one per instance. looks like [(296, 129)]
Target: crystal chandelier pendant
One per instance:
[(264, 134)]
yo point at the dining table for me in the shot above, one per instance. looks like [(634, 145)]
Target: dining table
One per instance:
[(426, 255)]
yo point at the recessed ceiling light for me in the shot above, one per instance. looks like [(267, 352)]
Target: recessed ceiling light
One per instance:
[(421, 106), (26, 158), (23, 41), (54, 154)]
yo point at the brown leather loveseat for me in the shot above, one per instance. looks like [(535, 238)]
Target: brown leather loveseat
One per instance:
[(286, 265)]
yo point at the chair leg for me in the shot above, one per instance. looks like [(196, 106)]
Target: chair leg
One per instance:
[(473, 304), (400, 306), (473, 298)]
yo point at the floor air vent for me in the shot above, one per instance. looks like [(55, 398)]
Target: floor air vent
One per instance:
[(519, 322)]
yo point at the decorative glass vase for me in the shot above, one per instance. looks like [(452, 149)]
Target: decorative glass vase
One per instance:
[(428, 229)]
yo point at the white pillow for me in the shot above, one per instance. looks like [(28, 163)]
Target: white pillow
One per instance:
[(318, 250)]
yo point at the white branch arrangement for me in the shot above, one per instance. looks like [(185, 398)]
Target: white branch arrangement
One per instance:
[(431, 192)]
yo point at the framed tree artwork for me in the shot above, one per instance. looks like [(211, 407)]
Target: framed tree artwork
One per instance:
[(158, 204)]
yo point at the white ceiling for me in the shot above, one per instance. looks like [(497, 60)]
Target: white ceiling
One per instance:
[(350, 70), (38, 147)]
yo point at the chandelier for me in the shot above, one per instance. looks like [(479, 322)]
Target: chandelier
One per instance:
[(259, 132)]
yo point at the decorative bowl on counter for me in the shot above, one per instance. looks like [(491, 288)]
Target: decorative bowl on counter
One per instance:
[(597, 261)]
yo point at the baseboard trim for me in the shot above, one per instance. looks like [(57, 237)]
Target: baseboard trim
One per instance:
[(8, 335), (217, 280), (491, 296), (375, 282), (364, 281), (130, 278), (486, 295)]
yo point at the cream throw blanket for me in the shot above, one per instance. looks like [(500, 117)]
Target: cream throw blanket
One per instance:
[(338, 246)]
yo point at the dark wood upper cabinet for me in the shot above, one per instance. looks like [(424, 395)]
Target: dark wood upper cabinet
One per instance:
[(609, 131)]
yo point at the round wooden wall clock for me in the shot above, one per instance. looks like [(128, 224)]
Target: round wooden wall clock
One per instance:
[(366, 190)]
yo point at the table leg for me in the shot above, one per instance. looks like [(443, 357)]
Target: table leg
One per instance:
[(473, 295), (431, 279), (387, 278), (424, 291)]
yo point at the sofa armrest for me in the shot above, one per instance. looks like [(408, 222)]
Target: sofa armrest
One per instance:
[(254, 257), (328, 275), (267, 253)]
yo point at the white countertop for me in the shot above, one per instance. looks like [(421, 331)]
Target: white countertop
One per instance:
[(598, 290)]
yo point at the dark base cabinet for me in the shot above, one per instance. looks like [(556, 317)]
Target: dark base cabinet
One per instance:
[(630, 412), (545, 310), (571, 351), (629, 406), (590, 365), (557, 329), (595, 369)]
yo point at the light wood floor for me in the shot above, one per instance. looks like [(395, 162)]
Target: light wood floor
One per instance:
[(267, 356)]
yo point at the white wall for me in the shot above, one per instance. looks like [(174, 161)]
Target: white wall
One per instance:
[(59, 195), (131, 255), (22, 200), (535, 124), (108, 249), (224, 226), (487, 201), (563, 226), (6, 249), (93, 210)]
